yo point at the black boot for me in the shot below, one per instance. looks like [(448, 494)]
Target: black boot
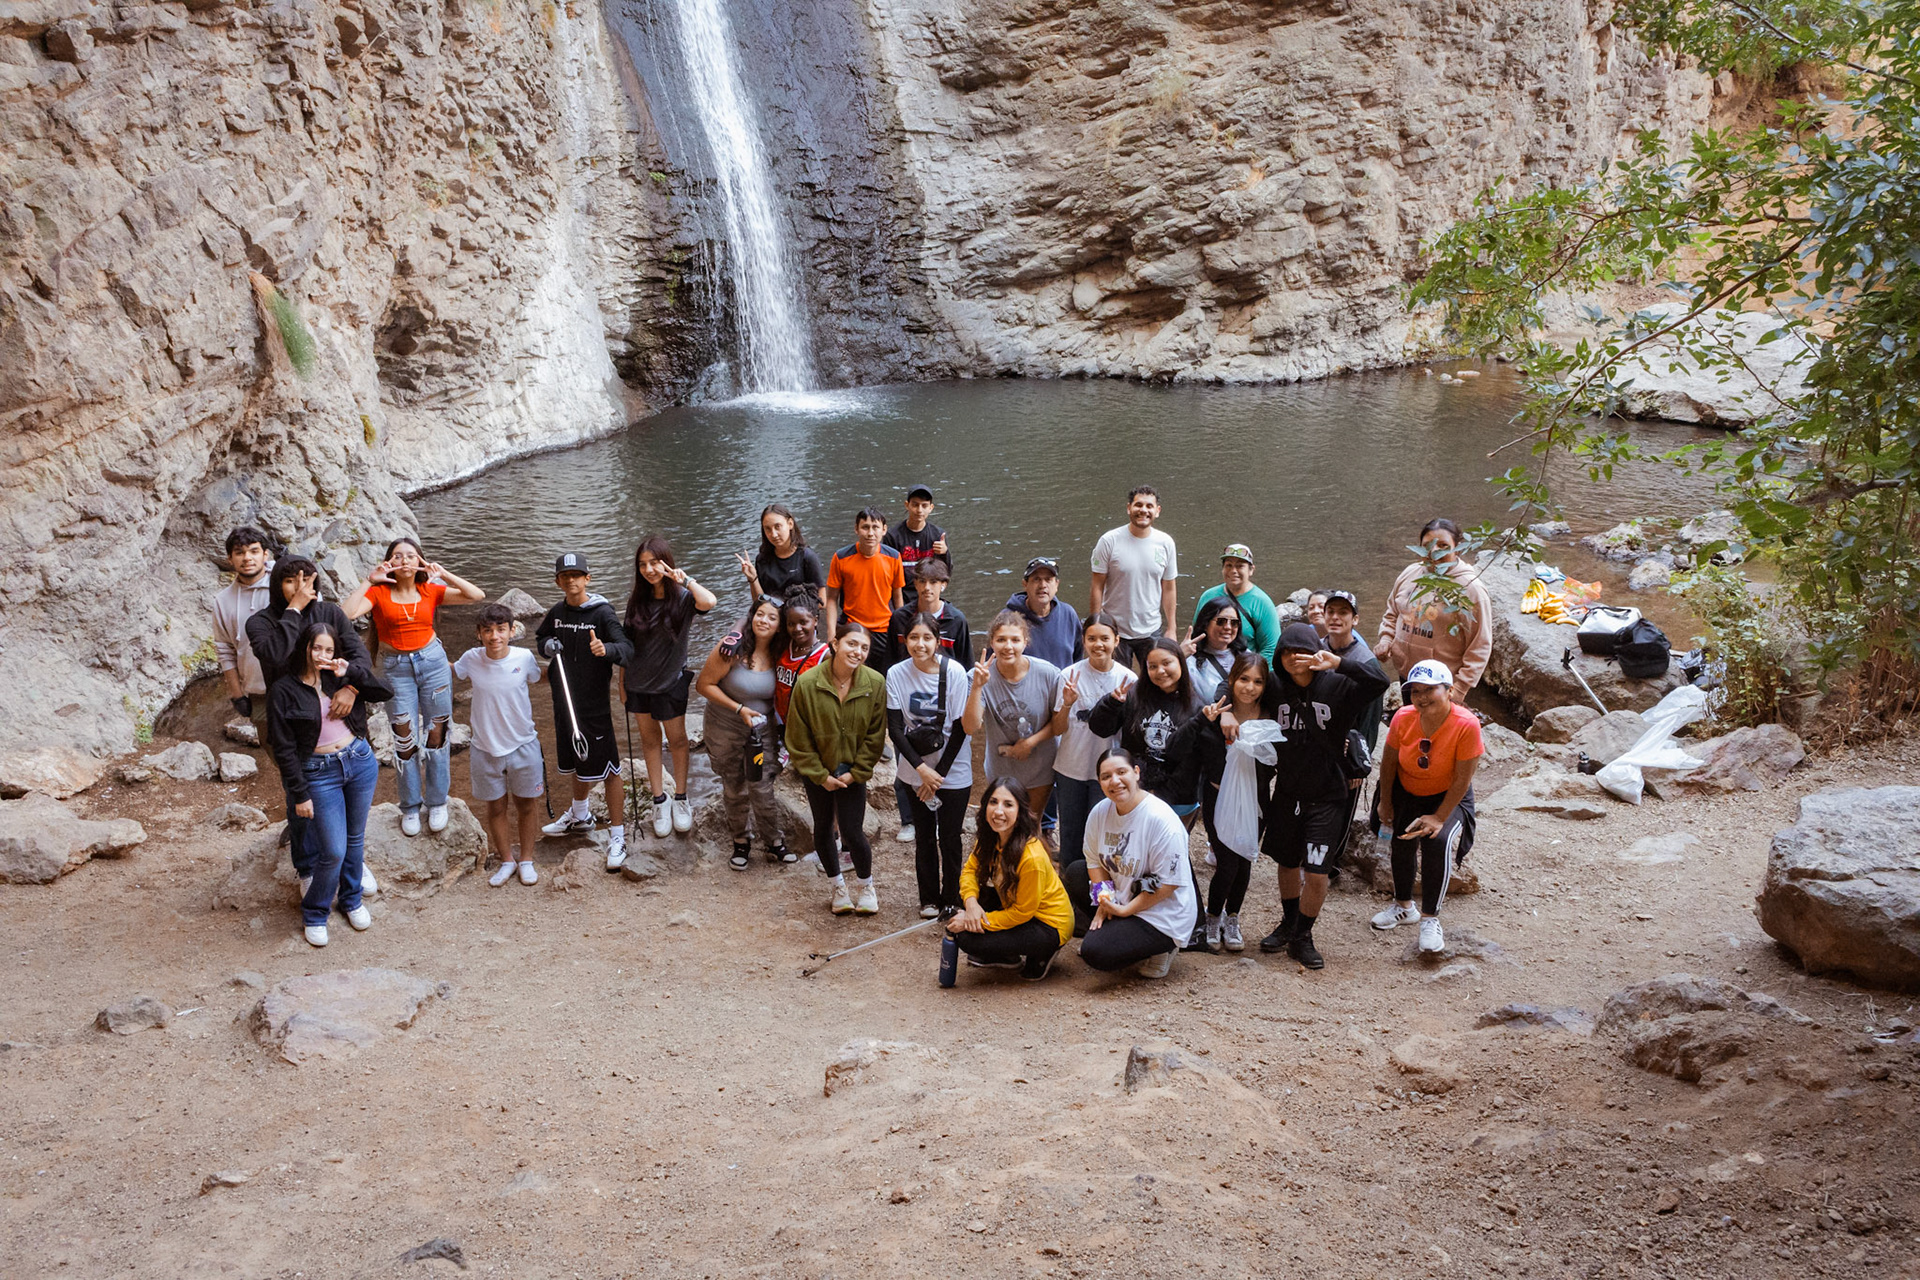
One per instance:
[(1301, 947)]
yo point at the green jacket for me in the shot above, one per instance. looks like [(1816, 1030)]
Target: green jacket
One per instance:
[(1260, 621), (823, 732)]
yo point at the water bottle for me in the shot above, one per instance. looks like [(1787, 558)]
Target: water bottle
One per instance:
[(949, 960), (756, 753)]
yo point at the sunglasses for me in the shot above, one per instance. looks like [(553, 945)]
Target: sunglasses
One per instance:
[(1426, 748)]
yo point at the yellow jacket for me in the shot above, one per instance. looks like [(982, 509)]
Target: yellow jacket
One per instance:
[(1039, 895)]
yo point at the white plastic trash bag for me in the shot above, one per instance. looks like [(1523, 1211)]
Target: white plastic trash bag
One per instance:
[(1656, 749), (1237, 814)]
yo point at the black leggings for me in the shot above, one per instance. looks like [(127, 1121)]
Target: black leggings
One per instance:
[(1434, 855), (1122, 940), (936, 846), (1030, 940), (1227, 889), (846, 808)]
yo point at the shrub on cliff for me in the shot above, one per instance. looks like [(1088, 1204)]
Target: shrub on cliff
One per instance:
[(1813, 218)]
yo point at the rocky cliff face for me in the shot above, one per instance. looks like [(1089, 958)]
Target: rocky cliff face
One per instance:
[(1231, 189), (439, 189)]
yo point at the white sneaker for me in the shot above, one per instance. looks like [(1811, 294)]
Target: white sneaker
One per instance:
[(662, 819), (1155, 966), (360, 918), (368, 885), (1431, 939), (867, 902), (905, 834), (410, 823), (616, 855), (528, 873), (682, 816), (1213, 933), (1230, 936), (437, 818), (1394, 916), (568, 824), (842, 903), (929, 911), (317, 935), (812, 859), (504, 874)]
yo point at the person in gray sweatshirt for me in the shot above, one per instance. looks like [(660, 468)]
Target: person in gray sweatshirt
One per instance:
[(251, 561)]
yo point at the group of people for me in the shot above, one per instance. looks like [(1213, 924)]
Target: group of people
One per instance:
[(1105, 738)]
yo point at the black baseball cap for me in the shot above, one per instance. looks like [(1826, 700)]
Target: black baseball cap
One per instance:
[(1300, 637), (1353, 601), (1038, 563), (570, 562), (919, 491)]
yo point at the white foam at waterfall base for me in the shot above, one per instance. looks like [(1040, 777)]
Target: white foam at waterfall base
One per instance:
[(865, 402), (775, 354)]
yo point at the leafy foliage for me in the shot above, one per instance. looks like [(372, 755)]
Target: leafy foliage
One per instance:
[(1812, 218)]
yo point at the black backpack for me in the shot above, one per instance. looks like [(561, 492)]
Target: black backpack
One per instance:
[(1643, 652)]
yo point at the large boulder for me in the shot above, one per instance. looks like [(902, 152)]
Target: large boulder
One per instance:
[(41, 839), (1607, 738), (185, 762), (1745, 760), (1557, 725), (1842, 889), (1526, 663), (54, 770), (1683, 1026), (523, 606), (336, 1015), (1677, 993), (1551, 791), (419, 864), (1751, 381), (260, 875)]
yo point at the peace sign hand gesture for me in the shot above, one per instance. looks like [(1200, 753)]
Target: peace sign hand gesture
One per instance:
[(1213, 710), (747, 570), (1070, 691), (983, 670)]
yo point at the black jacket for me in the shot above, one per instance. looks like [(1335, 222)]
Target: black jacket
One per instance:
[(1172, 771), (274, 633), (956, 638), (1315, 718), (588, 677), (293, 718)]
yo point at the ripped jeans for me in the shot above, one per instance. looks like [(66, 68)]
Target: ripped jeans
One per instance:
[(422, 690)]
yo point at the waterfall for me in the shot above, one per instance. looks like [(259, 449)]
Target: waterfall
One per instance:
[(774, 351)]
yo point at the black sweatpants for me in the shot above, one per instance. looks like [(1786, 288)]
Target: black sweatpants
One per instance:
[(846, 808), (1434, 855), (1031, 940), (937, 856), (1119, 942)]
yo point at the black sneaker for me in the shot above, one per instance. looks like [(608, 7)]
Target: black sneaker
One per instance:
[(1033, 972), (1198, 942), (1301, 948), (1278, 939)]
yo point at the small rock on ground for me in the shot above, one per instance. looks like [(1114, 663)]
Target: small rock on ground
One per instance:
[(243, 732), (185, 762), (336, 1015), (142, 1013), (1532, 1015), (440, 1247), (236, 766), (236, 817), (224, 1178)]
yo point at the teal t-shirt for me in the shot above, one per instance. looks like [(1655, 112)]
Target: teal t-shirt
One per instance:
[(1260, 621)]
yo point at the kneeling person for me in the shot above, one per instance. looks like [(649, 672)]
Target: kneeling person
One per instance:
[(1142, 904), (506, 760), (1016, 915)]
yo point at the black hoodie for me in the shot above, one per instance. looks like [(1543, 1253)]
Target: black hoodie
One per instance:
[(274, 633), (587, 677), (1315, 718)]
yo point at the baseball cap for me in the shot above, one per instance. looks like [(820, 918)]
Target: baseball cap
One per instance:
[(1300, 637), (1038, 563), (570, 562), (919, 491), (1430, 672), (1237, 551), (1353, 601)]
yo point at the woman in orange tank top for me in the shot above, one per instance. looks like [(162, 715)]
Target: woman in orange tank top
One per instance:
[(403, 596)]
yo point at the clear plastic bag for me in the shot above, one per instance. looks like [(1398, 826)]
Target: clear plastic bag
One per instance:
[(1237, 814), (1656, 749)]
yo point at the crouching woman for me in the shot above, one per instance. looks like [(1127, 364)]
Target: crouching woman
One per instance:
[(329, 771), (1135, 878), (1016, 914)]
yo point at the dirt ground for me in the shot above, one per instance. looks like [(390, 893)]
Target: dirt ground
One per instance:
[(628, 1080)]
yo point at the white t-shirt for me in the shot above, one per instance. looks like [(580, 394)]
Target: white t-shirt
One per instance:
[(1080, 748), (502, 713), (915, 694), (1135, 568), (1148, 844)]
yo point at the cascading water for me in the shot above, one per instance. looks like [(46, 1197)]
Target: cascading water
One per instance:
[(774, 351)]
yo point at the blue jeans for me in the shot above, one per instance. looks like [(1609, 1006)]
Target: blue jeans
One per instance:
[(422, 692), (341, 788), (1077, 798)]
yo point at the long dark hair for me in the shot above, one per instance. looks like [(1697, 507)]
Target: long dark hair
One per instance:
[(779, 509), (289, 567), (1001, 861), (932, 624), (738, 645), (799, 599), (1148, 698), (645, 611), (1269, 691), (1214, 608), (303, 653), (420, 574)]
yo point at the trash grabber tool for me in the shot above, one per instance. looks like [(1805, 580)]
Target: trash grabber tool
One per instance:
[(826, 959)]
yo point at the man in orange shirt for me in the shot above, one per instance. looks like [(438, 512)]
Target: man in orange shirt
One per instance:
[(867, 582)]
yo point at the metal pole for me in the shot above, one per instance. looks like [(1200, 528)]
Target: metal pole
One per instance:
[(826, 959)]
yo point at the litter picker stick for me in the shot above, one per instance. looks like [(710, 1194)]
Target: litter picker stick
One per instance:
[(1566, 660), (573, 718), (826, 959)]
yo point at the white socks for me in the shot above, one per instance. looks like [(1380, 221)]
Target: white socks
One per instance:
[(616, 837), (578, 810), (839, 881), (866, 883)]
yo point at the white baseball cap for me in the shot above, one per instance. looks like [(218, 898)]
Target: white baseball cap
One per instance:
[(1430, 672)]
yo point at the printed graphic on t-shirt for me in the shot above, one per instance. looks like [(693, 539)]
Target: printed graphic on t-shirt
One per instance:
[(1158, 731)]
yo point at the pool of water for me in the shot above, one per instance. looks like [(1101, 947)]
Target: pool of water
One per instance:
[(1327, 482)]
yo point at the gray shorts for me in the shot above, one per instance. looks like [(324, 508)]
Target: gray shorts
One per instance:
[(520, 770)]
